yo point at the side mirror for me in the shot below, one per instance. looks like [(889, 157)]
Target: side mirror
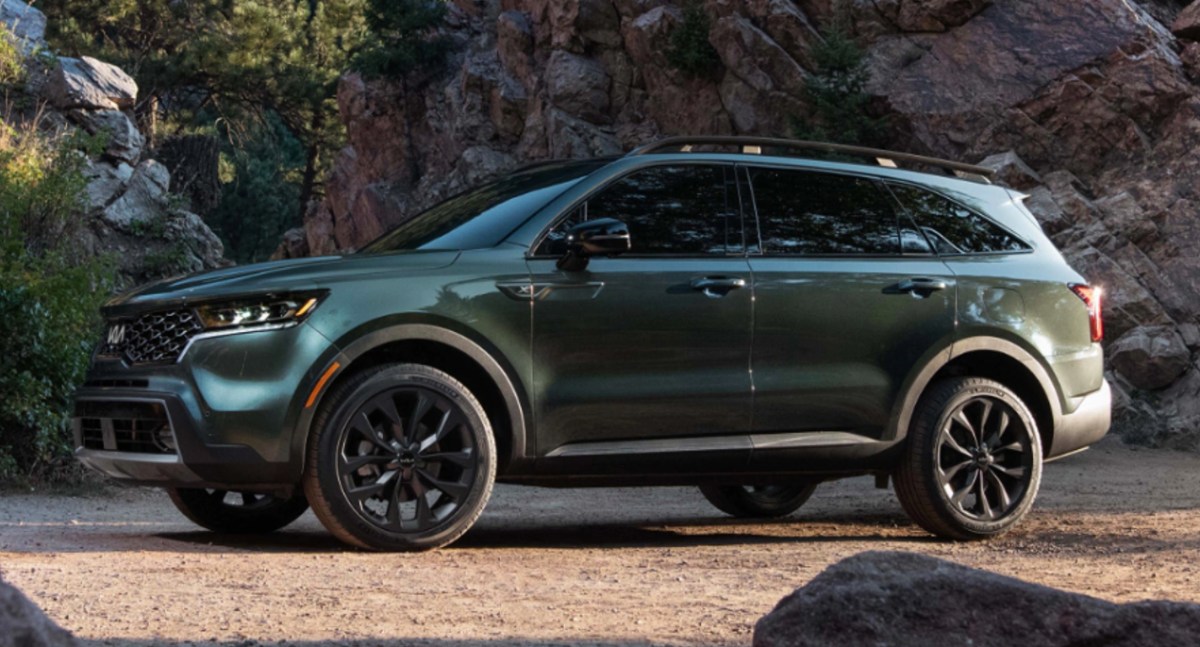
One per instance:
[(600, 237)]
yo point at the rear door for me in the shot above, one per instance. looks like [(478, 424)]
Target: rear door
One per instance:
[(849, 298), (654, 344)]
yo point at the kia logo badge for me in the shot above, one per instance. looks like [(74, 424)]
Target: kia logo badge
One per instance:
[(116, 334)]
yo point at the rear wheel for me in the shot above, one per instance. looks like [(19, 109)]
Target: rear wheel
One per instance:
[(973, 463), (758, 501), (402, 459), (232, 512)]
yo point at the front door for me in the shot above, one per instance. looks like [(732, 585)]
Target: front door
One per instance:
[(647, 353)]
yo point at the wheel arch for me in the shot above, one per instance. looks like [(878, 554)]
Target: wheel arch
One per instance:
[(472, 360), (994, 358)]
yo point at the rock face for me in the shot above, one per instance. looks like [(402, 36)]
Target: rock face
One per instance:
[(885, 598), (131, 219), (1092, 107), (22, 623)]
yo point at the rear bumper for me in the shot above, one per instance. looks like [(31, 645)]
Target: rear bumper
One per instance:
[(1087, 424)]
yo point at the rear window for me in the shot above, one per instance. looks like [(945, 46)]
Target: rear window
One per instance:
[(953, 229)]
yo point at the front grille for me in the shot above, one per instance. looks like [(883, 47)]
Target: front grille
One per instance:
[(154, 338), (141, 427)]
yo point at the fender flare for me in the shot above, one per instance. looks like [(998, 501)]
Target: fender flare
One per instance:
[(479, 351), (917, 381)]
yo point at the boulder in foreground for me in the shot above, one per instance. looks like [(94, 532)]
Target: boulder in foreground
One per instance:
[(22, 623), (892, 598)]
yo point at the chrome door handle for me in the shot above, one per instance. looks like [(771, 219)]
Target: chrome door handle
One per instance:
[(921, 285), (717, 286)]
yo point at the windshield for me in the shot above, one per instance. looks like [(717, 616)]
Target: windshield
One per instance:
[(484, 216)]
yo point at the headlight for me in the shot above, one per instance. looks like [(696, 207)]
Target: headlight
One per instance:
[(256, 314)]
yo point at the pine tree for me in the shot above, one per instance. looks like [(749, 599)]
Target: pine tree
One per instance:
[(837, 96)]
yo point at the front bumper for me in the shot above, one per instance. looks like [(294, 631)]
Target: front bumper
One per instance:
[(231, 407), (1087, 424)]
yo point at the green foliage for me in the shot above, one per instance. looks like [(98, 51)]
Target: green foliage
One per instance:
[(262, 184), (49, 300), (11, 70), (400, 38), (837, 95), (690, 51)]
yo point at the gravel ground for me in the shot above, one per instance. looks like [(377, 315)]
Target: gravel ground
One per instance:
[(569, 567)]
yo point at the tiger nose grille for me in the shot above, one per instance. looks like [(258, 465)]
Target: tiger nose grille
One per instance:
[(141, 427), (154, 338)]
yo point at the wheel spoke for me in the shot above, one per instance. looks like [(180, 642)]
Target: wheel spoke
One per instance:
[(462, 459), (959, 495), (444, 427), (981, 494), (364, 492), (362, 424), (393, 509), (421, 495), (1011, 447), (418, 412), (354, 463), (1015, 472), (994, 439), (953, 471), (998, 486), (385, 403), (961, 418), (953, 443), (983, 419), (452, 489), (247, 499)]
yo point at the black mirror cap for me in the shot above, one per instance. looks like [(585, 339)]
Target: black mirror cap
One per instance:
[(600, 237)]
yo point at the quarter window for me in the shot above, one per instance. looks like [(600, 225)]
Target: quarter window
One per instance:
[(807, 213), (952, 228), (687, 210)]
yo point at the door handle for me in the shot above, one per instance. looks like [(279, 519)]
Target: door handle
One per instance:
[(921, 285), (717, 286)]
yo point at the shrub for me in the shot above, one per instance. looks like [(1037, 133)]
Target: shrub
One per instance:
[(690, 51), (49, 300)]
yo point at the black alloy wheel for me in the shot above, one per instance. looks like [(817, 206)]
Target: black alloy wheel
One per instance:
[(406, 462), (236, 512), (974, 460), (758, 501)]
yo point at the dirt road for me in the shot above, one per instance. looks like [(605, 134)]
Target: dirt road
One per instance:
[(562, 567)]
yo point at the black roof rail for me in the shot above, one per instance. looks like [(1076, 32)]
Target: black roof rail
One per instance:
[(755, 145)]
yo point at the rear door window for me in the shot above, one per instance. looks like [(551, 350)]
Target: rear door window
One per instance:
[(811, 213)]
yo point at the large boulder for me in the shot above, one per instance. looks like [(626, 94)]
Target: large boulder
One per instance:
[(878, 599), (25, 23), (22, 623), (89, 84), (1150, 357), (1187, 24)]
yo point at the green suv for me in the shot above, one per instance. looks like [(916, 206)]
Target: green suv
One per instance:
[(740, 314)]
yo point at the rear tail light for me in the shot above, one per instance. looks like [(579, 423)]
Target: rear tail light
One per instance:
[(1092, 297)]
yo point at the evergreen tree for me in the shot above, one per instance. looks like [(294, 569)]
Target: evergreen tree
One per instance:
[(401, 38), (837, 96), (690, 51)]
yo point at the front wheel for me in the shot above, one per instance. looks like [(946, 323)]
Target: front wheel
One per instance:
[(973, 463), (233, 512), (402, 459), (758, 501)]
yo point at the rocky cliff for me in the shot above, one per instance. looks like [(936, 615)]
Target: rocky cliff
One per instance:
[(1090, 106), (130, 216)]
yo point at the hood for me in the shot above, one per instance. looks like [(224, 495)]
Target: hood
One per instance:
[(274, 277)]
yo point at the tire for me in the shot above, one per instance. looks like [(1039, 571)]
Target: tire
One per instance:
[(401, 459), (758, 501), (237, 513), (973, 462)]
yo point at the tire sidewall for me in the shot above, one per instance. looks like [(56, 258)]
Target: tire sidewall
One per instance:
[(368, 534)]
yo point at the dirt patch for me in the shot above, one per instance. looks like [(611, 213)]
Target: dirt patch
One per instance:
[(567, 567)]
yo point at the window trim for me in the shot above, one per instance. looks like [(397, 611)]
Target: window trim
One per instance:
[(531, 255), (876, 180), (1029, 248)]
